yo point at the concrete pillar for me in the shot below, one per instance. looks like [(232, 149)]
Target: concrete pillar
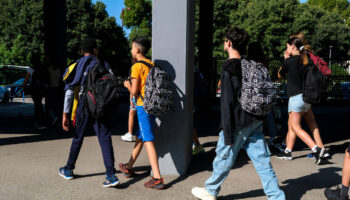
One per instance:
[(172, 49)]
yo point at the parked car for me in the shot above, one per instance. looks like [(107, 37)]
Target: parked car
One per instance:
[(4, 94)]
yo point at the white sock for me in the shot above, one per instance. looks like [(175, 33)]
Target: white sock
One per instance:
[(314, 149), (287, 150)]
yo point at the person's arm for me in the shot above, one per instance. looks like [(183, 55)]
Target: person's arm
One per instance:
[(279, 72), (26, 79), (227, 101), (68, 99)]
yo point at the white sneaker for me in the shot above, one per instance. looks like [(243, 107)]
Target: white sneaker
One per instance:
[(201, 193), (128, 137)]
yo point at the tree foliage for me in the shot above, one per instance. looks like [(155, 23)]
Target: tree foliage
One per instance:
[(138, 17), (341, 7), (270, 22), (22, 31)]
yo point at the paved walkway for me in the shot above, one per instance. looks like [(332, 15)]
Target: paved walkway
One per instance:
[(30, 160)]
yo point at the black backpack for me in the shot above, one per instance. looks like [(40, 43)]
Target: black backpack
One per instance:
[(315, 85), (102, 92)]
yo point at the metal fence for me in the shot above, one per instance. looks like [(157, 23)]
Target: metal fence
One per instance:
[(339, 88)]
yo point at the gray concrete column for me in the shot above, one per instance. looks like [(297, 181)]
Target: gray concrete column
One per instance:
[(172, 49)]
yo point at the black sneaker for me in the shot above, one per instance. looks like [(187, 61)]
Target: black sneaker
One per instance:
[(334, 194), (284, 156), (326, 155), (319, 155)]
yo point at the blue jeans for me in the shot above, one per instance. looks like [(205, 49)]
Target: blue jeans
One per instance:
[(251, 139)]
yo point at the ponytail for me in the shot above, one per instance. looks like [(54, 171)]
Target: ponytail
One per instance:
[(299, 44)]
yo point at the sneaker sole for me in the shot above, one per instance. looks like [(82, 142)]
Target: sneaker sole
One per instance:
[(284, 158), (111, 185), (200, 196), (156, 188), (65, 177), (127, 140), (319, 161), (127, 175)]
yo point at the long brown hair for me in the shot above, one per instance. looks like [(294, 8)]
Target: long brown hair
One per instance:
[(300, 46)]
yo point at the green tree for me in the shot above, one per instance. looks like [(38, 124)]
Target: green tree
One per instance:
[(91, 20), (22, 35), (21, 32), (221, 21), (341, 7), (323, 29), (138, 17), (267, 22)]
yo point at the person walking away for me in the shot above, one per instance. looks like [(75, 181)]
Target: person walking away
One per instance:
[(75, 80), (294, 65), (239, 128), (145, 135)]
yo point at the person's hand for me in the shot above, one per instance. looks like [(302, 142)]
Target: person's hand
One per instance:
[(65, 122), (295, 51), (286, 54), (133, 102), (127, 84)]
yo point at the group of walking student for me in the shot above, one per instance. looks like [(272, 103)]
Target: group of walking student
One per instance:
[(241, 122)]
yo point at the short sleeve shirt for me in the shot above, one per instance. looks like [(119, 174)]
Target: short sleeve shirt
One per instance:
[(140, 71)]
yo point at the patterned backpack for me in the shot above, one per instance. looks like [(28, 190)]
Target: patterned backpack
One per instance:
[(159, 97), (258, 91)]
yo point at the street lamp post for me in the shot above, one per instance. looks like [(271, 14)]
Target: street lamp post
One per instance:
[(330, 56)]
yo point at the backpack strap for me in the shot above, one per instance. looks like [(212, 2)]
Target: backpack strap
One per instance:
[(145, 63)]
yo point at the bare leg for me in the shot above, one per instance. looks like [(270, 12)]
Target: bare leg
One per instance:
[(195, 137), (295, 119), (291, 136), (346, 170), (153, 158), (311, 122), (135, 153), (132, 114)]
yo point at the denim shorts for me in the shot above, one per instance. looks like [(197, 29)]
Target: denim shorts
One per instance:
[(297, 104), (146, 122)]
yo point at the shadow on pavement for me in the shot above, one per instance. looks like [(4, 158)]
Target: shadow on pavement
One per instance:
[(16, 119), (136, 177), (297, 188)]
